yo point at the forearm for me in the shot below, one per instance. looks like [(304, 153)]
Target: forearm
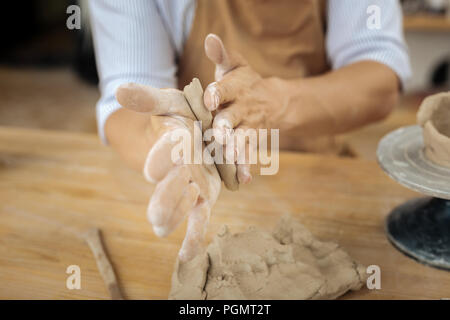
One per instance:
[(338, 101)]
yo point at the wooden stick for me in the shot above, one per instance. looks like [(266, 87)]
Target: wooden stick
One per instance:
[(93, 239)]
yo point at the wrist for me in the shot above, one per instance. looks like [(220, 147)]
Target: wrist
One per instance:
[(300, 107), (129, 133)]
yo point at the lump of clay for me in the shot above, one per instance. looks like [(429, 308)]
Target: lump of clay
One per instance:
[(434, 117), (193, 93), (286, 264)]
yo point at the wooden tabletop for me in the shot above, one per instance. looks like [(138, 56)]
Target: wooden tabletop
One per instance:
[(55, 185), (426, 23)]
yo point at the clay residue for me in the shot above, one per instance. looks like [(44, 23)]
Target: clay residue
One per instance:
[(288, 263)]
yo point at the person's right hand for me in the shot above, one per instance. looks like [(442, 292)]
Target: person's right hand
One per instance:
[(182, 190)]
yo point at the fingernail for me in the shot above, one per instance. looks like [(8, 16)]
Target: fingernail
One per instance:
[(160, 231), (212, 97), (223, 131), (186, 254), (226, 126), (248, 178), (245, 177), (216, 98), (226, 132)]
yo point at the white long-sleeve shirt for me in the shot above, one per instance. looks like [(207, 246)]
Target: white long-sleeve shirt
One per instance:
[(139, 41)]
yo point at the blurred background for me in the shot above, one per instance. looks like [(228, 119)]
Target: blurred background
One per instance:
[(48, 76)]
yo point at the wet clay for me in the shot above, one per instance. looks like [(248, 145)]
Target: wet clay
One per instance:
[(434, 117), (193, 93), (288, 263)]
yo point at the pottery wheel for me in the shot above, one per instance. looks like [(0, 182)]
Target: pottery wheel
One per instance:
[(420, 228), (400, 154)]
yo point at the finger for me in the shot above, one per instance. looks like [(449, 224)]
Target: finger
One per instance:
[(195, 233), (161, 158), (224, 60), (225, 90), (243, 173), (244, 147), (157, 165), (230, 151), (187, 203), (226, 120), (166, 197), (211, 97), (142, 98)]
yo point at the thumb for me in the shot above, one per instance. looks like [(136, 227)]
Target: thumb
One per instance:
[(146, 99), (225, 61)]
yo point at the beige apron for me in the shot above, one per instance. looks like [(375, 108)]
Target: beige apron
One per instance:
[(283, 38)]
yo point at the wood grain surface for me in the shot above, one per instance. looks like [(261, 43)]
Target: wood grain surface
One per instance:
[(55, 185), (426, 22)]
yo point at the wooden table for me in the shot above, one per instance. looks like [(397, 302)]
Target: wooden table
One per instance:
[(426, 23), (54, 185)]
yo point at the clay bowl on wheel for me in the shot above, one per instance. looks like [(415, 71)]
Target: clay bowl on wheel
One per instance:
[(434, 117)]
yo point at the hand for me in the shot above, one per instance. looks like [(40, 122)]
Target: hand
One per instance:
[(328, 104), (240, 97), (181, 189)]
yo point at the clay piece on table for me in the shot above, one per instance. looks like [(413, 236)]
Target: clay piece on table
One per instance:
[(434, 117), (288, 263), (193, 93)]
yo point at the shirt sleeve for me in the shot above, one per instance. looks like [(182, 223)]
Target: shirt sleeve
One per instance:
[(131, 45), (354, 33)]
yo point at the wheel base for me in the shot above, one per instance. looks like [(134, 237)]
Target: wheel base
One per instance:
[(420, 228)]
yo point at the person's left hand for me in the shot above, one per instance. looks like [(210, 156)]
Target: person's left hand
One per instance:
[(183, 189), (240, 98)]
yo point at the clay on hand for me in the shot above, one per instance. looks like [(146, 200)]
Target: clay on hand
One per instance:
[(194, 95), (286, 264), (240, 98), (182, 190), (434, 117)]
